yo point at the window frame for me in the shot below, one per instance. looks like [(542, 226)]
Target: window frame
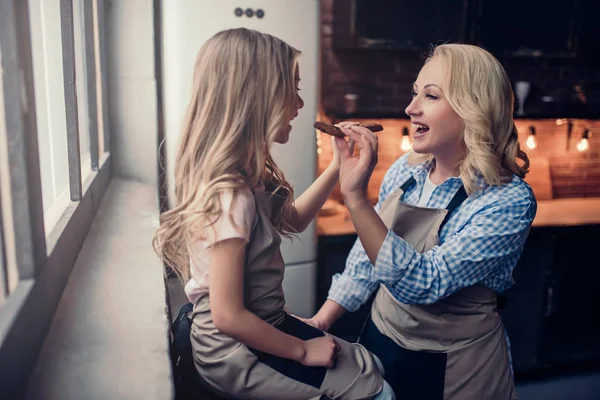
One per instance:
[(44, 261)]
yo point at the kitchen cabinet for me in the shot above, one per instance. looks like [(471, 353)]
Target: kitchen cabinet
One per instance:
[(538, 28), (401, 25), (527, 299), (553, 28), (588, 31), (551, 312), (569, 329), (528, 27)]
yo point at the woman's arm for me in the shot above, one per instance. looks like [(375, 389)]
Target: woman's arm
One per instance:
[(353, 287), (368, 224), (233, 319), (486, 250), (327, 315)]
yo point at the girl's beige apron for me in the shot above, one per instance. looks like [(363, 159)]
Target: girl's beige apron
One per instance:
[(453, 349), (232, 368)]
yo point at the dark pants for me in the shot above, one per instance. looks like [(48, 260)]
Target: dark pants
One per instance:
[(413, 375), (312, 376)]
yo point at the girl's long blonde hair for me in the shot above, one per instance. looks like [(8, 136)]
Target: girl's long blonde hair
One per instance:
[(242, 93), (478, 89)]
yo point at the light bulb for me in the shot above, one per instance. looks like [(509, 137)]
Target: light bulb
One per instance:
[(561, 121), (531, 142), (583, 145), (405, 145)]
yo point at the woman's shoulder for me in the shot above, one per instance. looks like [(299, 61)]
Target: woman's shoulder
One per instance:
[(514, 193), (519, 186)]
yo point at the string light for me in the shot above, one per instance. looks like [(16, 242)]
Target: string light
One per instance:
[(561, 121), (531, 142), (319, 149), (405, 143), (584, 143)]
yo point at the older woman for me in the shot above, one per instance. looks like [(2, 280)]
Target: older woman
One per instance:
[(449, 227)]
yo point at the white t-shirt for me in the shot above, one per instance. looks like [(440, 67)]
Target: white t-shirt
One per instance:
[(242, 212), (428, 189)]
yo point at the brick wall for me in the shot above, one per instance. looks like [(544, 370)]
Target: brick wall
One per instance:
[(382, 79), (571, 173)]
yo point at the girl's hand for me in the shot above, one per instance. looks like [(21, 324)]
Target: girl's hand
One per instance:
[(355, 172), (320, 352), (335, 163)]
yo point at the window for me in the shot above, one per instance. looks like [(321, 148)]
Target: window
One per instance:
[(81, 72), (9, 275), (47, 53), (54, 162)]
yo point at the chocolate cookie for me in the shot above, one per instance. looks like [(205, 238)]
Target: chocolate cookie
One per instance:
[(335, 131)]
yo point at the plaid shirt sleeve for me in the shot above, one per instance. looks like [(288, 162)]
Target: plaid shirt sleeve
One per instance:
[(482, 246), (485, 250), (354, 286)]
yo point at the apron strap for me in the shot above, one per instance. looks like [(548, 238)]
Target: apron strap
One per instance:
[(409, 182), (459, 197)]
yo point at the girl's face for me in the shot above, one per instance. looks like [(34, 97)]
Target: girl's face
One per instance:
[(437, 128), (284, 135)]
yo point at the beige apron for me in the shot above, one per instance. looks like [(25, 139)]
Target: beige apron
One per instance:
[(465, 326), (234, 370)]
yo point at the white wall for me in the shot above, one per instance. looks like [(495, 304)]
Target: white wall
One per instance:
[(132, 89)]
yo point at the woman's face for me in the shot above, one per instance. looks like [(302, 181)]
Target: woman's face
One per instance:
[(284, 135), (437, 128)]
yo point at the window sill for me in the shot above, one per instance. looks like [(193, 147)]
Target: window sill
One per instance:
[(109, 336)]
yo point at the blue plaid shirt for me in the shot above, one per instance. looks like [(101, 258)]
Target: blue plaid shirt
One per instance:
[(480, 243)]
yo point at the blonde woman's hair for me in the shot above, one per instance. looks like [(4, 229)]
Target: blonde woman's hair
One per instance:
[(242, 93), (478, 89)]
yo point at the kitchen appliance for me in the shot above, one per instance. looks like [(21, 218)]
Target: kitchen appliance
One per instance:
[(186, 25)]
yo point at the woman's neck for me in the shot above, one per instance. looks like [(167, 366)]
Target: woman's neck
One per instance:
[(443, 169)]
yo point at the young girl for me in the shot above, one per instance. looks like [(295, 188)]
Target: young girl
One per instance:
[(233, 206), (450, 225)]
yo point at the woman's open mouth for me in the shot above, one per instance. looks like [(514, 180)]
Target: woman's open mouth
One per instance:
[(420, 130)]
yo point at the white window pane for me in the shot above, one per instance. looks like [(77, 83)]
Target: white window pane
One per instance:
[(99, 92), (50, 107), (3, 268), (10, 273), (81, 87)]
